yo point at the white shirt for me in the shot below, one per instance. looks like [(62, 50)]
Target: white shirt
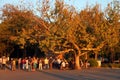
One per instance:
[(4, 61), (46, 61), (59, 61), (0, 60), (63, 64)]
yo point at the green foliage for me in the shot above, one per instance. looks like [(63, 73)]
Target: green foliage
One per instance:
[(93, 63)]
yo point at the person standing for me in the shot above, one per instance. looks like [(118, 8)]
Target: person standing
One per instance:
[(19, 63), (35, 64), (50, 63), (81, 63), (58, 63), (4, 62), (86, 63), (23, 63), (46, 62), (13, 65), (26, 67), (62, 67), (0, 63), (29, 64), (40, 65)]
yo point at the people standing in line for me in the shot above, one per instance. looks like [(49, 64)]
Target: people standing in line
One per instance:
[(40, 64)]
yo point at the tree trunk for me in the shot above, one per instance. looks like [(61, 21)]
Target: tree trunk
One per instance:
[(77, 56), (77, 62), (86, 56), (96, 55), (112, 55)]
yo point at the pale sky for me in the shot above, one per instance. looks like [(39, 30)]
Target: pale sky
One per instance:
[(79, 4)]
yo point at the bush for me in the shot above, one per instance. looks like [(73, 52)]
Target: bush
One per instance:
[(93, 63), (114, 65), (111, 65)]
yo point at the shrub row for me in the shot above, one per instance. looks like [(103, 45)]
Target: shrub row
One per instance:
[(111, 65)]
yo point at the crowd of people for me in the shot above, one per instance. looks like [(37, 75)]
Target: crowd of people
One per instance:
[(34, 63)]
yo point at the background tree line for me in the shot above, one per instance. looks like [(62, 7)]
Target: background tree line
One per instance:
[(61, 30)]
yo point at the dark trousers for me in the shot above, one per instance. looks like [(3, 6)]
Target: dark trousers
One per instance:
[(0, 65), (3, 66)]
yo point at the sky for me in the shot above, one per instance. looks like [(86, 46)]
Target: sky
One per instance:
[(78, 4), (81, 4)]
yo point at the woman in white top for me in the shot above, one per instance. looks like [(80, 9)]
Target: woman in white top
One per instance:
[(4, 63), (26, 64), (40, 64), (63, 65), (0, 63)]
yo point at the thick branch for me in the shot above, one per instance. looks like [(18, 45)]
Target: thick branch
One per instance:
[(63, 52), (89, 49), (77, 47), (94, 49), (83, 53)]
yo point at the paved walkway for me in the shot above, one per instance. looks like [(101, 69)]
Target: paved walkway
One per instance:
[(85, 74)]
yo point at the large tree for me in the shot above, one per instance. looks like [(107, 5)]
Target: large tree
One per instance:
[(80, 32), (72, 31)]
